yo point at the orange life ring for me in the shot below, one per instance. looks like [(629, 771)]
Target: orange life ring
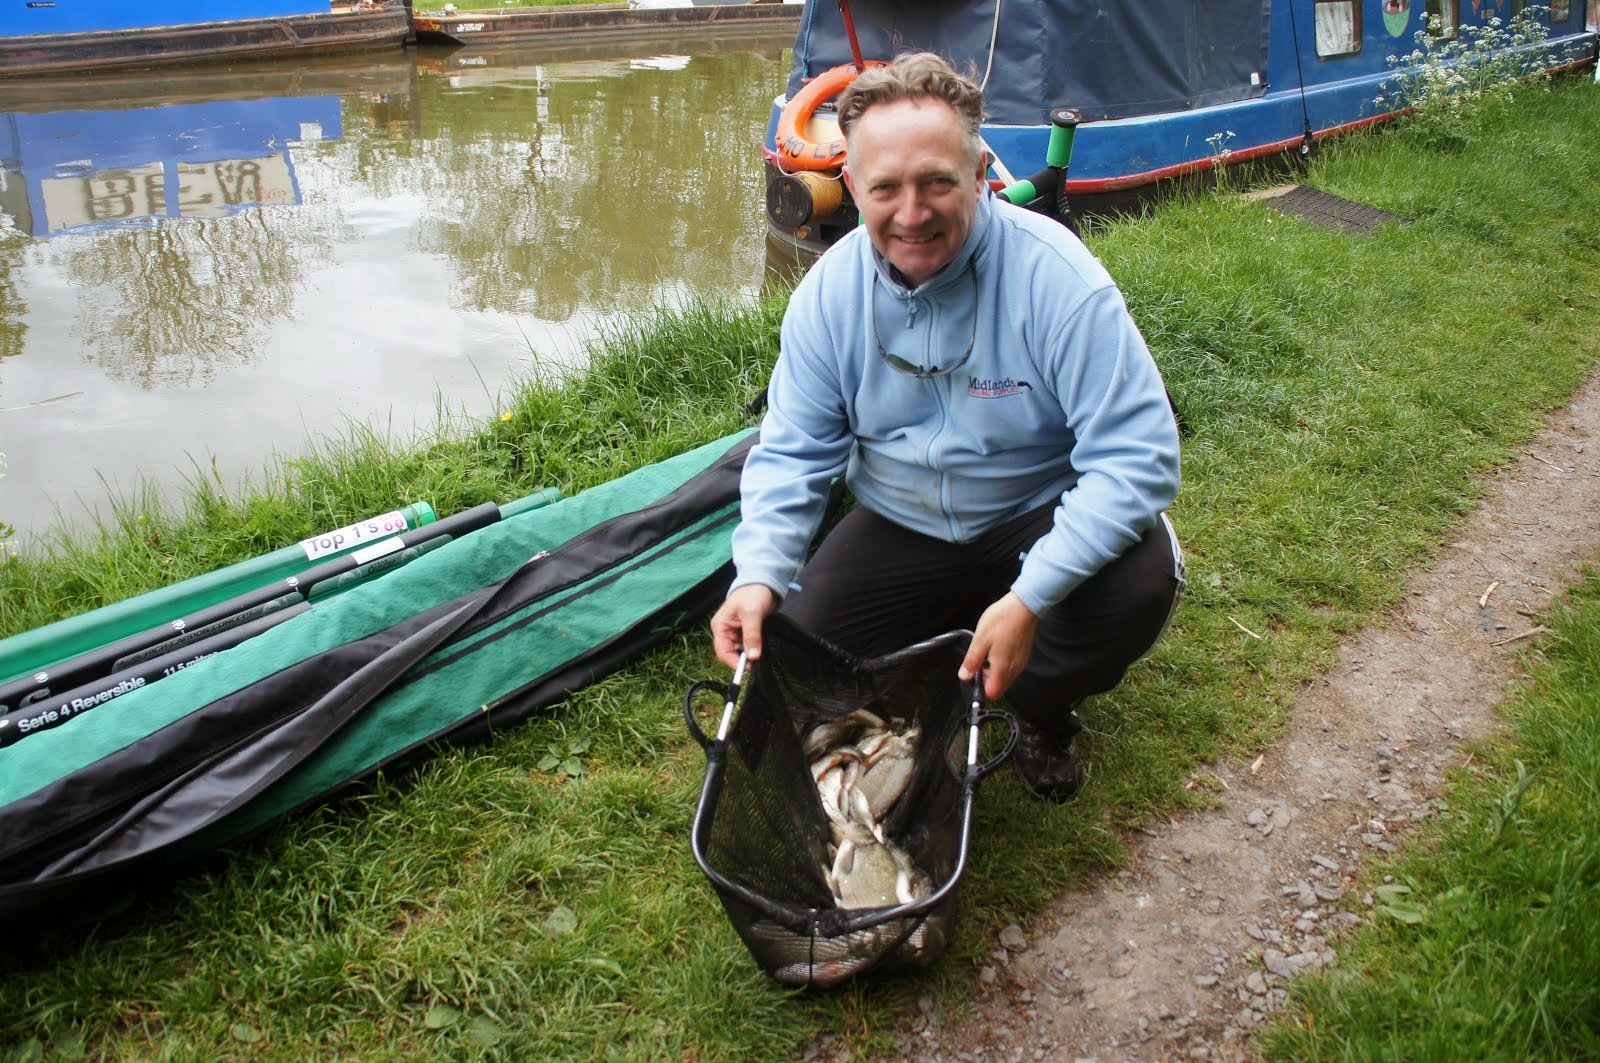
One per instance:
[(792, 146)]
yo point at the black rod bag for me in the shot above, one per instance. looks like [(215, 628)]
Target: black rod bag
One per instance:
[(475, 635)]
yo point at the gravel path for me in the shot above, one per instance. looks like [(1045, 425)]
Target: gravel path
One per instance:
[(1182, 953)]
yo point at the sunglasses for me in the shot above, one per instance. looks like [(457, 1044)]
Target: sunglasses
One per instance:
[(930, 371)]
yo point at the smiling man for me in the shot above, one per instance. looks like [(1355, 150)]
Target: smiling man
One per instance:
[(973, 373), (915, 177)]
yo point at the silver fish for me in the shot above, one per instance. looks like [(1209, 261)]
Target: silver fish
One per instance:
[(822, 974), (925, 943), (838, 731), (861, 768), (889, 766), (872, 875), (800, 959), (836, 775)]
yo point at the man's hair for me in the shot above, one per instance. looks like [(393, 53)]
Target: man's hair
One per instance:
[(916, 76)]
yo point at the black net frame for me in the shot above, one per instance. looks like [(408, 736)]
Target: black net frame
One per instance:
[(761, 836)]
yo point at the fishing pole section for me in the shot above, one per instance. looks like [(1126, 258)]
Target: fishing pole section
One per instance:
[(51, 695)]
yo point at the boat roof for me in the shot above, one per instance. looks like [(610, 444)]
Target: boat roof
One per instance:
[(1106, 60)]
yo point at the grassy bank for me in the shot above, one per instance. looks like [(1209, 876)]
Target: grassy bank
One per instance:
[(1342, 394)]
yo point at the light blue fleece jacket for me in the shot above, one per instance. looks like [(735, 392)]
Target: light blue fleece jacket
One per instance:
[(1060, 400)]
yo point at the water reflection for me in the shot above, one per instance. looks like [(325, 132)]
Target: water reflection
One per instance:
[(215, 267), (122, 159), (172, 307), (167, 304), (594, 175), (82, 170), (13, 310)]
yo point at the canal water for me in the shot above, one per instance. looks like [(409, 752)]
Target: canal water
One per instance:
[(201, 270)]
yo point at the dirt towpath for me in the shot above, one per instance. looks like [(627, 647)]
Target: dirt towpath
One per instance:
[(1182, 953)]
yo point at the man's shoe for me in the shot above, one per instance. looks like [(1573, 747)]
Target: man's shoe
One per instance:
[(1048, 771)]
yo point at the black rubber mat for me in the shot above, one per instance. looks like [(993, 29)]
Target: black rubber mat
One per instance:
[(1332, 212)]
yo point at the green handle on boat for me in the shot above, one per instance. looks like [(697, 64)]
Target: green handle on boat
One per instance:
[(1020, 192), (1063, 127)]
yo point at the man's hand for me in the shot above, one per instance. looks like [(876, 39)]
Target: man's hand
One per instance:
[(737, 624), (1003, 641)]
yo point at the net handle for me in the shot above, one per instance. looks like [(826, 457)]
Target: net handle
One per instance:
[(731, 699), (978, 772), (689, 709)]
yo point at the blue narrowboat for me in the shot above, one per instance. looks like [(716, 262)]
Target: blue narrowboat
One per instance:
[(1146, 93), (73, 36)]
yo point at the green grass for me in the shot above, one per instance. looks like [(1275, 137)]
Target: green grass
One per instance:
[(1496, 956), (1343, 396)]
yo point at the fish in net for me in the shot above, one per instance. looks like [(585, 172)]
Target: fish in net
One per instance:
[(775, 852)]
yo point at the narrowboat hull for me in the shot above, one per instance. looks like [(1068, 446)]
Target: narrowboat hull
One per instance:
[(385, 75), (598, 21), (317, 33), (1161, 96), (491, 62)]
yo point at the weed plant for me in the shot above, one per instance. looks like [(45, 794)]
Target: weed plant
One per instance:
[(1342, 396), (1454, 87)]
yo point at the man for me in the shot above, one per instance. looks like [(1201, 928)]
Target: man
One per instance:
[(973, 373)]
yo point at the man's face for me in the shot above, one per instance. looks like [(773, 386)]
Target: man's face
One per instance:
[(914, 183)]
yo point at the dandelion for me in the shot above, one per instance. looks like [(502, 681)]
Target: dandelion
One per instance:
[(506, 417)]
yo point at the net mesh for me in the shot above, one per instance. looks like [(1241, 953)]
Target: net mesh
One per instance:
[(763, 836)]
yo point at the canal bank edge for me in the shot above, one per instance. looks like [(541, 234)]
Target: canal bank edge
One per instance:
[(452, 26)]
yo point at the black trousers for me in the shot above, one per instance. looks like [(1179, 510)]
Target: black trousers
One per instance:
[(874, 587)]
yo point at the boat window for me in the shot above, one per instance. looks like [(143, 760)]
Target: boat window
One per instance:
[(1338, 28), (1560, 11), (1443, 19)]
